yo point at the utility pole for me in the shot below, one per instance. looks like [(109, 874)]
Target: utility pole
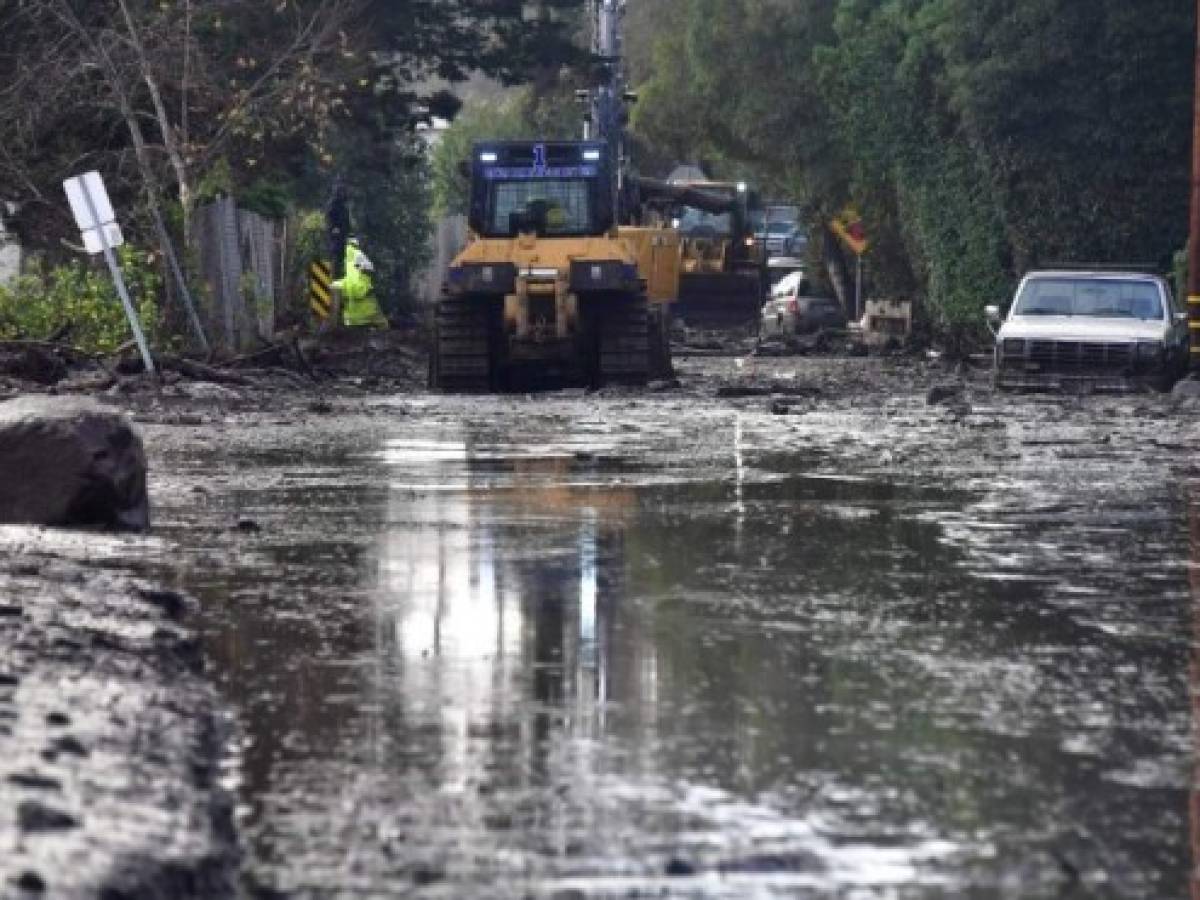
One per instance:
[(609, 98), (1193, 279)]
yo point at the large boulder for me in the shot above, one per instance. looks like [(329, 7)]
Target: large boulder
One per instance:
[(70, 463)]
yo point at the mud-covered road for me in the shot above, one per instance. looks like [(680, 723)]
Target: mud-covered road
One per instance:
[(830, 641)]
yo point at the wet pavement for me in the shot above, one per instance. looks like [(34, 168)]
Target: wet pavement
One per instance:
[(669, 644)]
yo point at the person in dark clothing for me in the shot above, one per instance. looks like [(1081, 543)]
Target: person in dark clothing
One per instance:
[(337, 223)]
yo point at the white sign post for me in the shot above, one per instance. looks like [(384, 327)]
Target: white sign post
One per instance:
[(97, 223)]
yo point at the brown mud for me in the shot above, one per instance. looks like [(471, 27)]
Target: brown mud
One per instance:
[(111, 736), (790, 626)]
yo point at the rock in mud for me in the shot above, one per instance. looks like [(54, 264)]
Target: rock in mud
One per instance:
[(70, 462)]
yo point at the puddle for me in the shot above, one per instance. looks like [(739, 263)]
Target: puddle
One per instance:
[(474, 658)]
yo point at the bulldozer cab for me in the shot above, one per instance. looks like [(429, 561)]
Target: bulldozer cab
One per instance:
[(719, 239), (721, 282), (547, 189), (692, 222)]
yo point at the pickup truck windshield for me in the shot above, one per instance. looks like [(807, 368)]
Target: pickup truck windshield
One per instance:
[(1107, 298)]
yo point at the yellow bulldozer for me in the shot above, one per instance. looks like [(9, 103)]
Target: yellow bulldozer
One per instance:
[(549, 290), (723, 276), (573, 263)]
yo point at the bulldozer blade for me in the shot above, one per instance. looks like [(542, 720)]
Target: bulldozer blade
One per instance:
[(719, 300)]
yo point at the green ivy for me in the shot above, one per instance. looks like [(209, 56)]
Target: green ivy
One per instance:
[(267, 198), (82, 299)]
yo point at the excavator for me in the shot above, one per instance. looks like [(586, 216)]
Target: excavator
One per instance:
[(557, 284)]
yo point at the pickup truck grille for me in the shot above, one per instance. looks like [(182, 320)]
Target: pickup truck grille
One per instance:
[(1077, 357)]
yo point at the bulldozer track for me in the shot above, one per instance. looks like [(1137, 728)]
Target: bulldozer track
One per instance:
[(624, 341), (462, 355)]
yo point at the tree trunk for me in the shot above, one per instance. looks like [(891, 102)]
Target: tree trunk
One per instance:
[(170, 145)]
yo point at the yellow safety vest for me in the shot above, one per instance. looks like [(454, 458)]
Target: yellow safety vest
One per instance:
[(359, 306)]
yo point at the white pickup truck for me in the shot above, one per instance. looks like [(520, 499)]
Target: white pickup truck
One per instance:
[(1111, 330)]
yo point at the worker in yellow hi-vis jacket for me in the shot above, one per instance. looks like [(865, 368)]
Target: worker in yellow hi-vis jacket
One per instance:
[(360, 309)]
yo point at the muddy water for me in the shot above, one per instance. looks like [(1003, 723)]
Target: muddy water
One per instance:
[(661, 646)]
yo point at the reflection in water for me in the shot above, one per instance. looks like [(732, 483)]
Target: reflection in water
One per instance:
[(492, 669), (527, 685), (492, 615)]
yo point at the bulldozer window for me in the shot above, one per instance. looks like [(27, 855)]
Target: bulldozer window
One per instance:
[(704, 224), (545, 206)]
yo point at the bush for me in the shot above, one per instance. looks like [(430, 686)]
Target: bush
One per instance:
[(82, 301), (307, 242)]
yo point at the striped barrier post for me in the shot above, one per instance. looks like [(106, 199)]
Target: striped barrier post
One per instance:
[(320, 288)]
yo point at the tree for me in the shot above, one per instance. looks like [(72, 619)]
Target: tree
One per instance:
[(176, 99), (977, 137), (144, 68), (523, 113)]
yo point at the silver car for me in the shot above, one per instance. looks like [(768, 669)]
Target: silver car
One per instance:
[(791, 312), (1110, 330)]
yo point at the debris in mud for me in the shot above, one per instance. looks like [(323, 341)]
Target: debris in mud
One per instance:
[(773, 347), (33, 816), (34, 781), (70, 463), (735, 391), (32, 882), (686, 341), (394, 360), (818, 342), (32, 361), (172, 603), (786, 406), (941, 394), (680, 868), (751, 388), (399, 357)]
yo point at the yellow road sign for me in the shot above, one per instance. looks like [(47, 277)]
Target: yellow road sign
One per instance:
[(320, 288), (849, 227)]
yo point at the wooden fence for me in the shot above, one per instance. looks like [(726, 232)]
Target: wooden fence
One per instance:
[(10, 250), (241, 256)]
